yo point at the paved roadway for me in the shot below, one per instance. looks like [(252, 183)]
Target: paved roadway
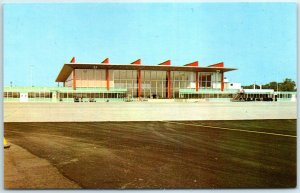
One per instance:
[(147, 111), (190, 154)]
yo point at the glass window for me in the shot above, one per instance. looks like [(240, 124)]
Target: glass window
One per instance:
[(31, 95), (103, 74), (208, 77), (16, 95), (128, 74), (134, 74), (153, 75), (147, 75), (111, 75), (117, 74), (160, 75), (122, 74), (47, 95)]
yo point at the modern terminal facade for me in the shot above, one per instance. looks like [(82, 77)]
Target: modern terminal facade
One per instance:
[(104, 81), (135, 80)]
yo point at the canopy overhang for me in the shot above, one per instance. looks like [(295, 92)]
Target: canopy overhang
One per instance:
[(68, 68)]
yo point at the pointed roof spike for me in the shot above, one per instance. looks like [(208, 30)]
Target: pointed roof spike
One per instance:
[(138, 61), (105, 61), (72, 60), (168, 63), (196, 63), (220, 64)]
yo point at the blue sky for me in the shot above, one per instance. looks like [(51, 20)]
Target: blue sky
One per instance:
[(257, 38)]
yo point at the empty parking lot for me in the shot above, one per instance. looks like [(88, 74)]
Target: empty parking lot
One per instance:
[(164, 154)]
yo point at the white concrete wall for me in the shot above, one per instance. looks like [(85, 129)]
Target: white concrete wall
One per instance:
[(257, 91), (231, 85), (92, 78)]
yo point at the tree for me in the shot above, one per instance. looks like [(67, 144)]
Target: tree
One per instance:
[(250, 87), (287, 85), (270, 85)]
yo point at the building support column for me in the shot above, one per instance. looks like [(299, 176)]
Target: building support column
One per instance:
[(106, 61), (139, 81), (107, 78), (74, 80), (139, 78), (197, 82), (169, 84), (222, 81), (74, 76)]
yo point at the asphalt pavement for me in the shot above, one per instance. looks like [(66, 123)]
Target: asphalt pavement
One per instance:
[(185, 154)]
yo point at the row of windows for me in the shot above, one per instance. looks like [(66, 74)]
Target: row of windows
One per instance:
[(93, 74), (30, 95), (128, 79), (259, 96), (285, 96), (196, 96), (182, 76), (40, 95), (154, 92), (160, 75), (125, 74), (92, 95), (11, 95)]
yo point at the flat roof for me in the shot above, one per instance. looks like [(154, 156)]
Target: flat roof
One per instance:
[(68, 68)]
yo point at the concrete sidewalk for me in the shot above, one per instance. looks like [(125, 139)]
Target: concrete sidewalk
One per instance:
[(23, 170), (145, 111)]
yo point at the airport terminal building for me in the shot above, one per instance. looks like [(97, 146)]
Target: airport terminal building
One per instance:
[(95, 82)]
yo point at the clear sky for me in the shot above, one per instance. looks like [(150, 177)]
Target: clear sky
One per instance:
[(257, 38)]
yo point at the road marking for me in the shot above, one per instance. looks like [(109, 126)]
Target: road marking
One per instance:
[(241, 130)]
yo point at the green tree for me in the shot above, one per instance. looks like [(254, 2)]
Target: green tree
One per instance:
[(270, 85), (287, 85), (250, 87)]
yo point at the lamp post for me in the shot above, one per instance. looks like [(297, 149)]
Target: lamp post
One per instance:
[(278, 85)]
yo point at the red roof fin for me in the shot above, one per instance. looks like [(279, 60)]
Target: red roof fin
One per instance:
[(196, 63), (72, 60), (137, 62), (168, 62), (220, 64), (105, 61)]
